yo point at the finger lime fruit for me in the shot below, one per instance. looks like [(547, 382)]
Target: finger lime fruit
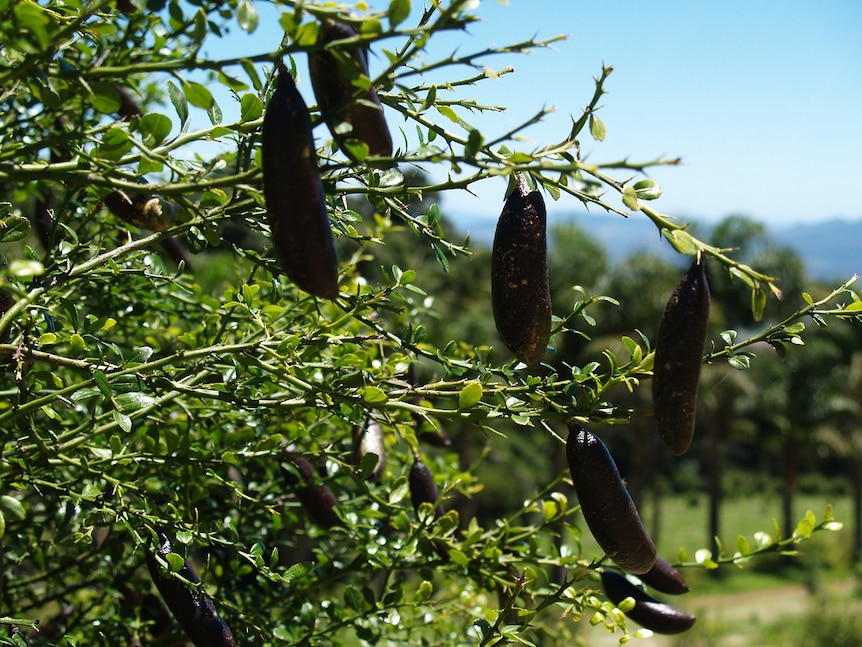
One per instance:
[(664, 578), (520, 293), (141, 210), (606, 504), (195, 612), (368, 439), (337, 76), (6, 302), (295, 200), (678, 358), (317, 499), (128, 105), (420, 481), (648, 612)]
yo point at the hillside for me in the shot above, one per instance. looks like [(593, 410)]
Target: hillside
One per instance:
[(830, 249)]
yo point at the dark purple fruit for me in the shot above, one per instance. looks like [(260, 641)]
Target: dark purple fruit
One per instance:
[(422, 487), (678, 358), (664, 578), (176, 249), (295, 199), (43, 218), (648, 612), (128, 106), (606, 504), (520, 294), (194, 611), (350, 113), (317, 499), (6, 302), (141, 210)]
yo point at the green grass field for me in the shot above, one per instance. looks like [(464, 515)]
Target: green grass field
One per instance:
[(684, 524), (770, 601)]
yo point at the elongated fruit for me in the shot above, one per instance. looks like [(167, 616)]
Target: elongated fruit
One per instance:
[(295, 199), (194, 611), (317, 499), (141, 210), (349, 112), (422, 487), (6, 302), (648, 612), (665, 578), (678, 358), (606, 505), (423, 490), (369, 439), (520, 293)]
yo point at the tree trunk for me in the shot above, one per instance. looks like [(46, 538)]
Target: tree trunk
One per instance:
[(791, 477), (856, 470)]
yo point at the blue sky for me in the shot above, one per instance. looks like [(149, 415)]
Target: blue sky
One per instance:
[(761, 100)]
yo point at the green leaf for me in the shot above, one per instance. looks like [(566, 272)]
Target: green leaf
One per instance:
[(178, 100), (647, 189), (14, 228), (32, 18), (630, 198), (133, 401), (154, 128), (246, 16), (251, 107), (447, 112), (469, 395), (353, 598), (758, 303), (398, 11), (124, 421), (374, 395), (597, 128), (474, 143), (681, 241), (76, 344), (175, 562), (105, 97), (12, 507), (198, 95), (214, 113), (297, 571), (739, 362), (424, 591)]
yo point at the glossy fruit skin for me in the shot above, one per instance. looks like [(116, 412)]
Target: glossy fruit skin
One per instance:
[(606, 504), (195, 612), (338, 99), (295, 200), (520, 293), (678, 358), (317, 499), (664, 578), (369, 439), (420, 481), (648, 612), (6, 302)]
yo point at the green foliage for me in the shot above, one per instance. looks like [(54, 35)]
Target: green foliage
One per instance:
[(172, 379)]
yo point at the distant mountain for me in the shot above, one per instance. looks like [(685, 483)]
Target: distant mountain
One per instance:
[(831, 250)]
